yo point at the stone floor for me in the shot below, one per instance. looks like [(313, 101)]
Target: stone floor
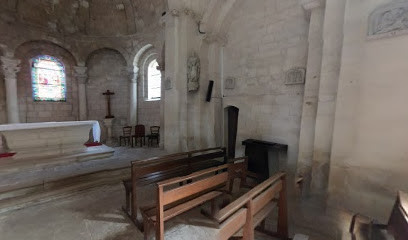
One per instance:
[(97, 214), (94, 215)]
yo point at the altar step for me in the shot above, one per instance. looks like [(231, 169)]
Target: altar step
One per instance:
[(50, 191), (28, 172)]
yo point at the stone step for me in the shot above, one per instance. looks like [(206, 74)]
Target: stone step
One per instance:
[(25, 173), (30, 196)]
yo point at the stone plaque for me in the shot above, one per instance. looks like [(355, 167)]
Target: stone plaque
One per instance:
[(167, 84), (389, 20), (295, 76), (229, 83), (193, 73)]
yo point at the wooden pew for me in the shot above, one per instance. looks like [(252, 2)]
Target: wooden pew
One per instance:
[(255, 205), (157, 169), (363, 228), (174, 198)]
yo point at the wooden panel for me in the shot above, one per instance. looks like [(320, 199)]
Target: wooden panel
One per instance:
[(232, 225), (193, 175), (193, 188), (398, 223), (206, 150), (267, 196), (206, 156), (263, 213), (241, 201), (179, 209)]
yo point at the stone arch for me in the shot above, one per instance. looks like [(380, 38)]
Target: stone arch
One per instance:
[(148, 112), (108, 70), (140, 53), (32, 111), (92, 49)]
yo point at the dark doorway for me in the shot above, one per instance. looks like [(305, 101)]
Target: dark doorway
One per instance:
[(232, 128)]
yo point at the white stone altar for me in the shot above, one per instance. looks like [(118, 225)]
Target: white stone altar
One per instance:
[(48, 138)]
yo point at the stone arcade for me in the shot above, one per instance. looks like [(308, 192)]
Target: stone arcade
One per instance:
[(326, 80)]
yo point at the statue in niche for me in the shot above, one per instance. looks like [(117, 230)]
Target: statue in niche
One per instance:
[(193, 73)]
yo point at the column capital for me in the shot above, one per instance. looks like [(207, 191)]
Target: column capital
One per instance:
[(216, 38), (11, 66), (311, 4), (131, 73), (81, 74)]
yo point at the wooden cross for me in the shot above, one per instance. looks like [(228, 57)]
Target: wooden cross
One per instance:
[(108, 95)]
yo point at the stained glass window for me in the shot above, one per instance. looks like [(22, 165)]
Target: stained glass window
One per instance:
[(48, 79), (153, 81)]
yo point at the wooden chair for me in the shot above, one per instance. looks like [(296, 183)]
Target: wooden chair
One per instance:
[(153, 170), (363, 228), (259, 202), (174, 197), (154, 135), (127, 134), (140, 132)]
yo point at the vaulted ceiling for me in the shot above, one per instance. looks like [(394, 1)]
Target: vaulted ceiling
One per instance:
[(91, 17)]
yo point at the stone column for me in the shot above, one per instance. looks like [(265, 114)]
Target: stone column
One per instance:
[(177, 34), (82, 78), (133, 77), (329, 77), (163, 74), (212, 113), (11, 67), (310, 99)]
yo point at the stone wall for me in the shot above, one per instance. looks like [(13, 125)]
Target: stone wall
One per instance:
[(264, 41), (3, 110), (31, 111), (107, 70), (369, 154)]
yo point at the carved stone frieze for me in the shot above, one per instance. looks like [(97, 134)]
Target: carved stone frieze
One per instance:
[(11, 67), (389, 20), (295, 76)]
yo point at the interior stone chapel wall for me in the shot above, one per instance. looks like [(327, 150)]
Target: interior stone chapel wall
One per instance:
[(31, 111), (107, 70), (369, 154), (265, 40)]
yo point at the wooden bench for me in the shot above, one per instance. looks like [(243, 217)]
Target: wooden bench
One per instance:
[(363, 228), (251, 209), (157, 169), (174, 197)]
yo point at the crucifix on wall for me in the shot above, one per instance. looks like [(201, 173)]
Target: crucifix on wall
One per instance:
[(108, 95)]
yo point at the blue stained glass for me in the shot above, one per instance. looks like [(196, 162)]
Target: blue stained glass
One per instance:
[(48, 79)]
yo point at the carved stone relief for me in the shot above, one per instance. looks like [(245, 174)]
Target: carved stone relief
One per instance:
[(193, 73), (390, 19), (229, 83), (295, 76)]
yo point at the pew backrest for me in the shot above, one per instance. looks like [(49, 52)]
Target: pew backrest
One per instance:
[(257, 203), (202, 187), (150, 170)]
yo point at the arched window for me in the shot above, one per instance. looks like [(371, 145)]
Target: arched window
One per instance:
[(153, 81), (48, 79)]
